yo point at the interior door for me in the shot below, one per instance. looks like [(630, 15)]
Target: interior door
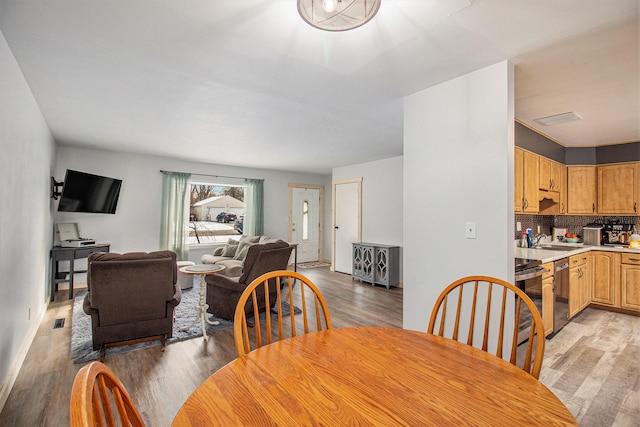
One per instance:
[(305, 222), (346, 222)]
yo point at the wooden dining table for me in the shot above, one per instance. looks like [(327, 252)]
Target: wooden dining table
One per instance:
[(371, 376)]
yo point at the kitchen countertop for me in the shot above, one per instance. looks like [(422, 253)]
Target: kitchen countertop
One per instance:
[(547, 255)]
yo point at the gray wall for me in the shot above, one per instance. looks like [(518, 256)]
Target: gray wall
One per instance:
[(25, 217), (539, 144)]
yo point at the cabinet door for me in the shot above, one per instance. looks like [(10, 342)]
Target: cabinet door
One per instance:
[(585, 285), (582, 194), (603, 289), (518, 176), (563, 190), (531, 182), (630, 282), (547, 305), (545, 173), (618, 189), (574, 291), (555, 176)]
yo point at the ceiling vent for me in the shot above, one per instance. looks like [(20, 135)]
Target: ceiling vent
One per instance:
[(558, 118)]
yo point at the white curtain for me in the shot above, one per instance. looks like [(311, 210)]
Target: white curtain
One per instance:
[(254, 207), (174, 215)]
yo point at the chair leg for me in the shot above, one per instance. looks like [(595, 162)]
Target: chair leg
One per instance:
[(164, 343)]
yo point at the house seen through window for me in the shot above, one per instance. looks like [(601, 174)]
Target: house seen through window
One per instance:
[(216, 213)]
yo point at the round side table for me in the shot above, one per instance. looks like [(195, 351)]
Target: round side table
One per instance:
[(202, 270)]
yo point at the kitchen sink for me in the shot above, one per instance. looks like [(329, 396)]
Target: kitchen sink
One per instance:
[(558, 248)]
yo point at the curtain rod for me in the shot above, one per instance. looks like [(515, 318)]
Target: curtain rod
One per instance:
[(204, 174)]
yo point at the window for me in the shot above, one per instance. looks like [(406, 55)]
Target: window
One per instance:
[(216, 212), (305, 220)]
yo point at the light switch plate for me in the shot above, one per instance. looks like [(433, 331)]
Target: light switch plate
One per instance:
[(470, 230)]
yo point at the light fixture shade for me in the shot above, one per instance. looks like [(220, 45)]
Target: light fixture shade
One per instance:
[(337, 15)]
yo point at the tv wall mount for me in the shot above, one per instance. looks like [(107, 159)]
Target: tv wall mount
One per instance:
[(56, 188)]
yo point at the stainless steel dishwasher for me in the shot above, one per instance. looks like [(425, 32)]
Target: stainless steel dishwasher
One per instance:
[(561, 294)]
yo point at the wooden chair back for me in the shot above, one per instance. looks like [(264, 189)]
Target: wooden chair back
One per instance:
[(308, 311), (98, 398), (487, 317)]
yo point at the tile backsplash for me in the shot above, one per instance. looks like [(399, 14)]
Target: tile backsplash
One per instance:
[(573, 222)]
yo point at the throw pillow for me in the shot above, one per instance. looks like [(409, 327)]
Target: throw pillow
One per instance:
[(229, 250), (243, 248), (250, 239)]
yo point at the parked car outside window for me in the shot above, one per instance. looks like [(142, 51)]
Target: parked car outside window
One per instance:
[(239, 224), (226, 217)]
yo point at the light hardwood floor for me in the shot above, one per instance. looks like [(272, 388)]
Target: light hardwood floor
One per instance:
[(591, 365)]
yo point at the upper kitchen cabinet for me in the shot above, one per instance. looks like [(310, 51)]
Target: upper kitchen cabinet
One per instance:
[(582, 190), (550, 174), (618, 189), (527, 177)]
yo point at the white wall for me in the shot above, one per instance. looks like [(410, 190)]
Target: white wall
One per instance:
[(458, 168), (26, 166), (382, 203), (136, 224)]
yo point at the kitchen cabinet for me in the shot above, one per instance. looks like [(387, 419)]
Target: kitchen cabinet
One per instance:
[(562, 204), (604, 269), (581, 190), (618, 189), (376, 264), (579, 283), (526, 181), (518, 180), (549, 174), (547, 298), (630, 281)]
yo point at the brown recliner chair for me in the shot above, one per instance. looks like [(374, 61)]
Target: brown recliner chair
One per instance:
[(131, 297), (223, 292)]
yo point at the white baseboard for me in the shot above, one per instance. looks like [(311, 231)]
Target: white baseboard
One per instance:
[(7, 385)]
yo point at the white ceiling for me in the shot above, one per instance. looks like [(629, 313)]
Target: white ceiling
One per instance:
[(248, 83)]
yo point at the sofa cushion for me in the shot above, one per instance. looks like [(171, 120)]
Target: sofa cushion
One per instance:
[(250, 239), (232, 268), (241, 253), (229, 250)]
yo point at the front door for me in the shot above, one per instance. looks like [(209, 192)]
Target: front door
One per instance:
[(305, 221)]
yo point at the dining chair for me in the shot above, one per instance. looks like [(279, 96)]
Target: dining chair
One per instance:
[(98, 396), (275, 293), (487, 319)]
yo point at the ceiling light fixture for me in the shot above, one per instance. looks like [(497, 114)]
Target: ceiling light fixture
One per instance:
[(556, 119), (338, 15)]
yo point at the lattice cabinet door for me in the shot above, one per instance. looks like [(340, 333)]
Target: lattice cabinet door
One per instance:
[(387, 265), (363, 262)]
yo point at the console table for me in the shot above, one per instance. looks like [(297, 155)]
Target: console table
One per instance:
[(376, 264), (58, 253)]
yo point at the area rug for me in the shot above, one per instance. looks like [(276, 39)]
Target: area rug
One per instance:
[(313, 264), (81, 343)]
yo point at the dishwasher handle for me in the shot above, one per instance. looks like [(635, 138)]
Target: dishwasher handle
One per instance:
[(562, 266)]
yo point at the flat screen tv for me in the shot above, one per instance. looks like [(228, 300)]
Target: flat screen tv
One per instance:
[(84, 192)]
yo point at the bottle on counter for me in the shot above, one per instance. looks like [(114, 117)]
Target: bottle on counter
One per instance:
[(524, 241), (529, 238)]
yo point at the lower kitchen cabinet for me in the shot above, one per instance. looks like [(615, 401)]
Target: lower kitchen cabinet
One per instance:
[(376, 264), (604, 277), (630, 282), (579, 283), (547, 298)]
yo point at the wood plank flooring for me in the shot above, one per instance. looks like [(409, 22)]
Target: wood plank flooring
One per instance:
[(591, 364)]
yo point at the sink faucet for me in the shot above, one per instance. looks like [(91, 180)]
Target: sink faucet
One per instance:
[(537, 239)]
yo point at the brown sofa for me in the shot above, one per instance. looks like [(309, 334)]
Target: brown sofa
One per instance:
[(131, 296), (223, 292)]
